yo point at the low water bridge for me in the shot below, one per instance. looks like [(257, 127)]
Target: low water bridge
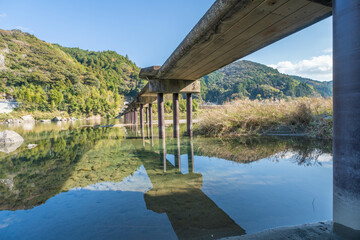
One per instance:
[(232, 29)]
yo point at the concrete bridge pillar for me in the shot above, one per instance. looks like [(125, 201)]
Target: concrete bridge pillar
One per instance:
[(346, 140), (161, 114), (142, 119), (147, 121), (189, 114), (150, 120), (176, 127)]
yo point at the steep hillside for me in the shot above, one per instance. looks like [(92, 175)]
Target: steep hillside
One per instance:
[(48, 77), (245, 79)]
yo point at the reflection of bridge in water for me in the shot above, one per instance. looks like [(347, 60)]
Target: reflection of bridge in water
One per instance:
[(193, 215)]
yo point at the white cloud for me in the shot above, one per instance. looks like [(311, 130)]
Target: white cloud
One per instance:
[(3, 15), (317, 68)]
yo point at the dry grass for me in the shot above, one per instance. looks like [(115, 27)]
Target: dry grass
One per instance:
[(310, 116)]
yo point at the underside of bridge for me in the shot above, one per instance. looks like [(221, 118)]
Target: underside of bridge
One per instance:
[(232, 29)]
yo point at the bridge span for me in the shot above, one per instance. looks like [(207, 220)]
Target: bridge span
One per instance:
[(232, 29)]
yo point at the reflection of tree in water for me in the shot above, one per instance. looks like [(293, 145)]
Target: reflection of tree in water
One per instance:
[(74, 158), (245, 150)]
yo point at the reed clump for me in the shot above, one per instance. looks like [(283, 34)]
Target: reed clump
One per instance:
[(308, 116)]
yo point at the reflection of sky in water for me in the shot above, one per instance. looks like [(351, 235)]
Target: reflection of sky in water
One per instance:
[(99, 211), (268, 193)]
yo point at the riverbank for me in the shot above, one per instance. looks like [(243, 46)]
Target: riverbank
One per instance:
[(298, 117), (17, 117)]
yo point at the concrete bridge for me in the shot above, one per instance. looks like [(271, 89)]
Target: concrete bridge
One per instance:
[(232, 29)]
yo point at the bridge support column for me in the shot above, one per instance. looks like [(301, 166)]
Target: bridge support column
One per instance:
[(161, 115), (150, 125), (189, 114), (142, 119), (150, 120), (176, 127), (147, 121), (346, 139)]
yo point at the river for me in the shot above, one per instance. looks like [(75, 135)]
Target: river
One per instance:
[(102, 182)]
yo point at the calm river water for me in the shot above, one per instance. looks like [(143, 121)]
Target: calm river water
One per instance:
[(106, 183)]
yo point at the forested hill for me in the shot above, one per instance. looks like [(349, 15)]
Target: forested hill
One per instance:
[(324, 88), (246, 79), (48, 77)]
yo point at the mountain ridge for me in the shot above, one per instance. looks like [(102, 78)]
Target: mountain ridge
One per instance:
[(246, 79)]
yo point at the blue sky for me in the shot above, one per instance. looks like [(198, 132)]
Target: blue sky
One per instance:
[(149, 31)]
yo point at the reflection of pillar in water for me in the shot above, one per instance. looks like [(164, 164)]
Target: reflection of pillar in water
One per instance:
[(177, 154), (191, 155), (152, 140), (162, 151)]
